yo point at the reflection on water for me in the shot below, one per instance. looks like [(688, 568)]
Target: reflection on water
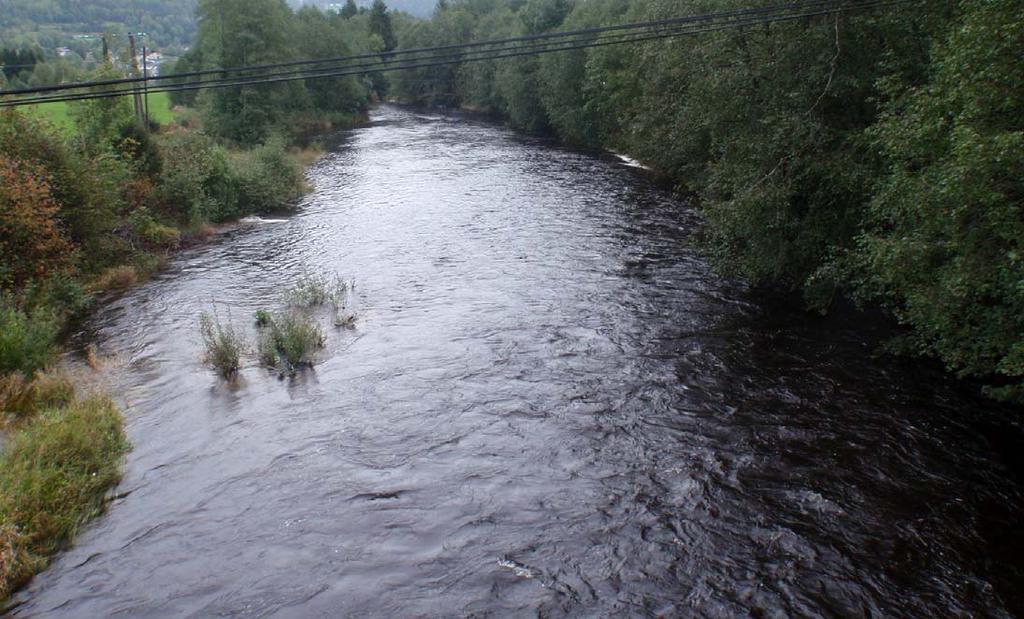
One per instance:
[(549, 406)]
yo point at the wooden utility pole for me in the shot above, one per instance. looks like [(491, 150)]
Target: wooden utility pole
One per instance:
[(106, 50), (145, 86), (136, 95)]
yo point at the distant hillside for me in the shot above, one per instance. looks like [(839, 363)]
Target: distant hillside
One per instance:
[(419, 8), (51, 23)]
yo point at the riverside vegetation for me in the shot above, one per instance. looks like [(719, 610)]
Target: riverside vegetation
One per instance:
[(99, 205), (877, 155)]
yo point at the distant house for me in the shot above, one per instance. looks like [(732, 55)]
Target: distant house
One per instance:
[(63, 51)]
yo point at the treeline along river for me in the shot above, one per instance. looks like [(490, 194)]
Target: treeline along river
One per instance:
[(550, 406)]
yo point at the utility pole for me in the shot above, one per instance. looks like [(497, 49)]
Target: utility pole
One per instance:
[(145, 86), (106, 50), (137, 97)]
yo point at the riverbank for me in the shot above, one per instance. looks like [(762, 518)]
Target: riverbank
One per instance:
[(62, 441), (550, 402), (60, 457)]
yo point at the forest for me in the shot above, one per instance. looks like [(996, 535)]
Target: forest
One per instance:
[(52, 23)]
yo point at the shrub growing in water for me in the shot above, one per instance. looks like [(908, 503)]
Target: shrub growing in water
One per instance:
[(224, 346), (289, 342)]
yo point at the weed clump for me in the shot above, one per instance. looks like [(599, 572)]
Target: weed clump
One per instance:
[(289, 342), (262, 318), (117, 278), (310, 290), (224, 346), (313, 290)]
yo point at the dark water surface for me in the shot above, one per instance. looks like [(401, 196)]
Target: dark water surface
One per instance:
[(550, 406)]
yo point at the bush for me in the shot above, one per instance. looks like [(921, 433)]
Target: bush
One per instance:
[(62, 293), (270, 179), (290, 342), (54, 473), (944, 244), (28, 339), (31, 243), (152, 233), (196, 183), (86, 188), (224, 346)]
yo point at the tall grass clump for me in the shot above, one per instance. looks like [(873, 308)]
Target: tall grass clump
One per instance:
[(315, 290), (341, 311), (21, 397), (309, 290), (54, 473), (289, 341), (224, 346), (28, 338)]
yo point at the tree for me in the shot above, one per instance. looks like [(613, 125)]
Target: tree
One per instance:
[(238, 33), (944, 246), (380, 25), (350, 9)]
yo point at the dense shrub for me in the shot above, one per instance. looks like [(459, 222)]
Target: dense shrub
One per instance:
[(28, 339), (196, 182), (31, 243), (945, 243), (86, 187), (269, 178)]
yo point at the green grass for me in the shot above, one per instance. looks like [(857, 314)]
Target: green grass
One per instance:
[(54, 473), (58, 112)]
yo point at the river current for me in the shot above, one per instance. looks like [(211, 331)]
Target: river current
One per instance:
[(550, 406)]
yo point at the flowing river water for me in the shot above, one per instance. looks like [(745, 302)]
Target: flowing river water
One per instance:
[(550, 406)]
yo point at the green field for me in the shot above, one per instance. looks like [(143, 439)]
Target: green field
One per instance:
[(59, 113)]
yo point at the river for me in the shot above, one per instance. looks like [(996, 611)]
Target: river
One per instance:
[(550, 406)]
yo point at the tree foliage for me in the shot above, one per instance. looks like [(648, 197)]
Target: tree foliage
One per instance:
[(236, 33), (31, 243), (874, 153)]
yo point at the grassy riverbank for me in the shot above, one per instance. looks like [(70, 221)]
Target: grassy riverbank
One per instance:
[(83, 212), (61, 456)]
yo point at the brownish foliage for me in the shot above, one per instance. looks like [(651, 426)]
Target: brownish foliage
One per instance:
[(31, 244)]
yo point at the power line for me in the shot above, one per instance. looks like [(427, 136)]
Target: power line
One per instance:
[(455, 59), (797, 5)]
